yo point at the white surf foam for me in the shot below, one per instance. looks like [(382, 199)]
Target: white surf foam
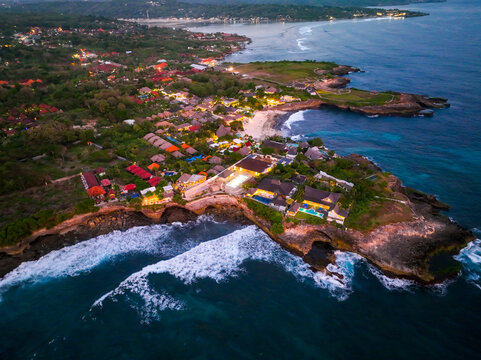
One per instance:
[(396, 284), (296, 117), (84, 256), (301, 44), (305, 30), (222, 258), (470, 258)]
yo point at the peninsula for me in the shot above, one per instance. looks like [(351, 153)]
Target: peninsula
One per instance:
[(109, 124)]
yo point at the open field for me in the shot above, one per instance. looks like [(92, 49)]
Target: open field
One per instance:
[(285, 71), (355, 97)]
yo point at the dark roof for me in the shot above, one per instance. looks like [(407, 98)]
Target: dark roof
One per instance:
[(274, 145), (253, 165), (226, 173), (313, 153), (299, 179), (278, 201), (292, 150), (276, 186), (340, 211), (295, 207), (320, 196), (90, 179)]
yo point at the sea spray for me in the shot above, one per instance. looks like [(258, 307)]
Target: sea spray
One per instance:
[(84, 256), (222, 259), (470, 258)]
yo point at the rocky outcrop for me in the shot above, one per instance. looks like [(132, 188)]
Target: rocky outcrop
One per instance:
[(403, 248), (71, 232)]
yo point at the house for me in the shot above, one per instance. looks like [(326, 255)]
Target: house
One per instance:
[(279, 204), (153, 166), (298, 179), (253, 166), (129, 122), (183, 127), (313, 153), (186, 180), (148, 136), (168, 191), (145, 90), (223, 131), (320, 200), (292, 152), (89, 180), (293, 209), (337, 214), (215, 160), (304, 145), (198, 67), (177, 154), (158, 158), (164, 124), (274, 145), (270, 90), (165, 145), (271, 188), (346, 185), (190, 150), (244, 151)]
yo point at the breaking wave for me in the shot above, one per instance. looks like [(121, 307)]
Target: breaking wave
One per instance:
[(296, 117), (396, 284), (222, 259), (470, 257), (301, 44), (84, 256)]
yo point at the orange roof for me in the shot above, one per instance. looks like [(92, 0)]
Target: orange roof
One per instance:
[(172, 148), (153, 166), (160, 66), (185, 146)]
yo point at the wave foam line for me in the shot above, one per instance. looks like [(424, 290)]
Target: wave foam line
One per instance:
[(82, 257), (223, 257), (470, 258)]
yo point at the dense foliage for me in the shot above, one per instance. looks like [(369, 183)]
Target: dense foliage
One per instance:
[(172, 8)]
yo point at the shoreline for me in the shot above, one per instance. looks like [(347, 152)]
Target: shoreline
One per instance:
[(400, 249)]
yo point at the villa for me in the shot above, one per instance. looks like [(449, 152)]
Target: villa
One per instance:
[(253, 166)]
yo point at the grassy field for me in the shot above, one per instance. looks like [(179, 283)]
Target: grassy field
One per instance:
[(355, 97), (284, 72)]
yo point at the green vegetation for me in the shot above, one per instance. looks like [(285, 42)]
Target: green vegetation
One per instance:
[(310, 219), (267, 213), (285, 72), (173, 8), (19, 229), (355, 97)]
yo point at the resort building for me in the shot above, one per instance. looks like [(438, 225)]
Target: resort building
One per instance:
[(186, 181), (253, 166), (270, 188), (338, 215)]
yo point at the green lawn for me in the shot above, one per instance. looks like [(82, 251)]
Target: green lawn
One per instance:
[(355, 97), (284, 71)]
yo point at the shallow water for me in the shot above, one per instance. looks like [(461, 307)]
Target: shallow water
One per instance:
[(217, 290)]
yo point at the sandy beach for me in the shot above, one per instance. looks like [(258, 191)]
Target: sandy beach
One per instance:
[(263, 124)]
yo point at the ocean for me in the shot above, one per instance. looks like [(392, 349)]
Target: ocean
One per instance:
[(217, 290)]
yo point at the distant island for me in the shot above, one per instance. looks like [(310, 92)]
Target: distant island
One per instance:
[(200, 12), (108, 124)]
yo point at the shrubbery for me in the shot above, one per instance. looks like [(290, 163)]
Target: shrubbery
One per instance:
[(265, 212)]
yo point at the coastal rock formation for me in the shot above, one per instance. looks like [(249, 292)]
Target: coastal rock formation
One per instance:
[(412, 248)]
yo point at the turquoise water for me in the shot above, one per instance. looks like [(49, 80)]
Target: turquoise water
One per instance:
[(210, 290)]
